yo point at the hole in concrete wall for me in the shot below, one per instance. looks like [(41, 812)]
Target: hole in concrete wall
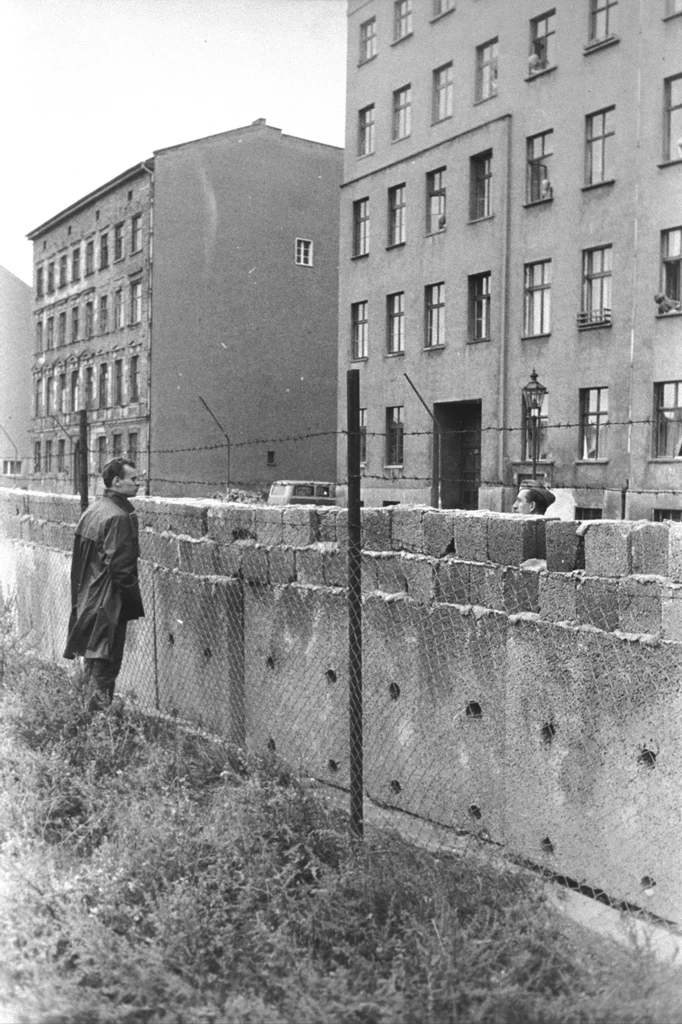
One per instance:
[(270, 661), (171, 639), (396, 787), (647, 883), (548, 732), (547, 845), (647, 758), (272, 746), (475, 811), (394, 691), (208, 653), (331, 675), (242, 534), (333, 765), (473, 710)]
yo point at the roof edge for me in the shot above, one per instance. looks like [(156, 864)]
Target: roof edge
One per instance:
[(256, 126)]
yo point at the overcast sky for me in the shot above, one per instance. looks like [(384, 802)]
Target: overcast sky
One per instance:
[(90, 87)]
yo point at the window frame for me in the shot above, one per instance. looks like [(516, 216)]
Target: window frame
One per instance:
[(395, 436), (303, 252), (104, 250), (669, 111), (49, 343), (401, 122), (595, 419), (63, 270), (48, 455), (361, 227), (487, 69), (40, 283), (76, 264), (480, 186), (591, 315), (443, 93), (597, 143), (395, 324), (535, 293), (118, 382), (369, 40), (397, 214), (136, 233), (135, 303), (61, 328), (528, 428), (542, 63), (441, 7), (103, 314), (37, 460), (434, 315), (436, 201), (89, 324), (363, 435), (596, 9), (538, 189), (50, 278), (671, 266), (359, 330), (480, 306), (89, 257), (103, 386), (660, 432), (119, 241), (75, 323), (61, 455), (402, 19), (366, 130), (134, 378)]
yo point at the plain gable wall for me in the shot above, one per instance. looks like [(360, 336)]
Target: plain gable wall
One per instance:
[(235, 319)]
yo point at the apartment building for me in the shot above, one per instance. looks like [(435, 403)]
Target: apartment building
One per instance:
[(190, 305), (15, 377), (512, 202)]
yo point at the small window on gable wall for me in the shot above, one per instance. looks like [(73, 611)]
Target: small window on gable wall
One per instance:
[(304, 252)]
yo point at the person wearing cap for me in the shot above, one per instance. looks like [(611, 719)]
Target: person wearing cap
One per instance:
[(532, 500)]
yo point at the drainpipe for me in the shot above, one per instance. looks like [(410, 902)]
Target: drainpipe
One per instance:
[(150, 264), (504, 333)]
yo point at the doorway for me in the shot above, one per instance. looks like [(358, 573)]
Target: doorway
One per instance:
[(460, 457)]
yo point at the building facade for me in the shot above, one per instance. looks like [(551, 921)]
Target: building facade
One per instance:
[(512, 202), (190, 306), (16, 337)]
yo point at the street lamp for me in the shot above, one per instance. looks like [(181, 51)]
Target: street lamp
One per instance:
[(534, 395)]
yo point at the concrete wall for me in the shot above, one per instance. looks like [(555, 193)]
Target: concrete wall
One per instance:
[(521, 677)]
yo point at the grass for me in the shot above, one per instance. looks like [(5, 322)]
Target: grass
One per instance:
[(148, 875)]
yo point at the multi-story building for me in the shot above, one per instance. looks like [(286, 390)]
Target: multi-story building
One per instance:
[(15, 377), (204, 354), (512, 202)]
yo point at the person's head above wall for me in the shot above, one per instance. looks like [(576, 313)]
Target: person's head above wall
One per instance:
[(532, 499)]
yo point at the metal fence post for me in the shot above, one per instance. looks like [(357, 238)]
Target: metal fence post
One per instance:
[(355, 604), (84, 458)]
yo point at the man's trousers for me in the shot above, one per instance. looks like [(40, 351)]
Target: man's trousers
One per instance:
[(103, 671)]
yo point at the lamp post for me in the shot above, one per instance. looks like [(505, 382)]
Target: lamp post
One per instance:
[(534, 395)]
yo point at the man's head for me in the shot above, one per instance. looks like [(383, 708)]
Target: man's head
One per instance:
[(120, 476), (533, 501)]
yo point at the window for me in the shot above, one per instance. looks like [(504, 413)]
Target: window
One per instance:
[(48, 456), (49, 385), (270, 461), (368, 40), (529, 421), (537, 298), (366, 130), (136, 302), (103, 314), (363, 436), (63, 260), (479, 307), (103, 394), (359, 330), (486, 70), (594, 417), (61, 455), (76, 264), (442, 7), (37, 394), (434, 307), (89, 319), (118, 382), (50, 332), (36, 457), (361, 227), (672, 147), (304, 252), (133, 447), (402, 113), (396, 214), (395, 322), (542, 43), (443, 92), (74, 323), (117, 445), (394, 435), (668, 420), (50, 278), (481, 173), (598, 147), (101, 453), (671, 264), (539, 149), (89, 387), (89, 257), (74, 391), (134, 378), (118, 242), (62, 392), (11, 467), (597, 265), (40, 288), (119, 308), (587, 512), (61, 328), (402, 19), (136, 233), (103, 251), (435, 201), (661, 515), (602, 19), (39, 335)]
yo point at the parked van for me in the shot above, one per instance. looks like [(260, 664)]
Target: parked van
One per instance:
[(302, 492)]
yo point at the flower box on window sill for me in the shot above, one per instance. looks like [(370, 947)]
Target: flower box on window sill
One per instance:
[(587, 320)]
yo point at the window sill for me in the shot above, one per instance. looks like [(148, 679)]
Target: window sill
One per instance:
[(395, 245), (538, 202), (397, 465), (479, 220), (671, 17), (432, 234), (485, 99), (359, 359), (477, 341), (600, 44), (540, 73), (360, 256), (670, 163), (393, 355), (596, 326), (666, 316), (367, 60), (442, 120), (443, 14), (364, 156), (591, 462), (666, 458), (433, 348), (598, 184), (119, 260), (401, 39), (536, 337), (401, 139)]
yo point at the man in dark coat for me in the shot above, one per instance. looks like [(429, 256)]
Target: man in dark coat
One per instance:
[(105, 590)]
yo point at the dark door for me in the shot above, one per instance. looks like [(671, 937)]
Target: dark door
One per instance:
[(460, 456)]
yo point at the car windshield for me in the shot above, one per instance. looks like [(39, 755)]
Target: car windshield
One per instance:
[(278, 489), (304, 491)]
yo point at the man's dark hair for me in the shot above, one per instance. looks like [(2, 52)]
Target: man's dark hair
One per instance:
[(115, 468), (542, 498)]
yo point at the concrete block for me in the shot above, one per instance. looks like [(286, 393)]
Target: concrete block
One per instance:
[(326, 524), (310, 566), (452, 581), (607, 548), (564, 546), (282, 565), (439, 533), (390, 576), (335, 568), (268, 524), (521, 590), (254, 559), (675, 552), (486, 585), (558, 596), (671, 612), (197, 556), (228, 523), (342, 528), (159, 548), (376, 529), (471, 536), (228, 560), (370, 581), (184, 516), (419, 575), (639, 605), (299, 525), (406, 529), (597, 602), (650, 548), (513, 539)]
